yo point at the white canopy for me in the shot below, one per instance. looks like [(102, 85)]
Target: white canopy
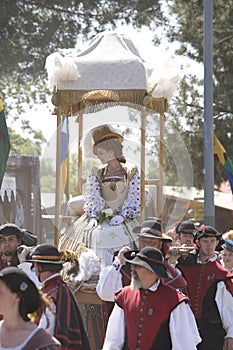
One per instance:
[(110, 62), (109, 71)]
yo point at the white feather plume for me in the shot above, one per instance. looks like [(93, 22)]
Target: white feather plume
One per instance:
[(60, 69), (164, 79), (89, 265)]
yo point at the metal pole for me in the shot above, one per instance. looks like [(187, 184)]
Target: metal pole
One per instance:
[(209, 215)]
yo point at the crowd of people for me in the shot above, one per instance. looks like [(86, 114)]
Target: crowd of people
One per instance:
[(158, 290)]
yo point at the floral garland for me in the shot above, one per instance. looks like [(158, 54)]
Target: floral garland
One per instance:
[(104, 215)]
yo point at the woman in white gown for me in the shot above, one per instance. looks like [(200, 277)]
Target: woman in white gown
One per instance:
[(112, 201)]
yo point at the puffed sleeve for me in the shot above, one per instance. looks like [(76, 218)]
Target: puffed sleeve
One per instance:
[(224, 302), (131, 205), (183, 328), (93, 200), (115, 334), (110, 281)]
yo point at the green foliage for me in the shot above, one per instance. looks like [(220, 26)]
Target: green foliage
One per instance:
[(31, 30), (26, 145), (189, 32)]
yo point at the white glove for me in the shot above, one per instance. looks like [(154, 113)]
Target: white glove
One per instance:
[(120, 256), (92, 223), (116, 220), (22, 252)]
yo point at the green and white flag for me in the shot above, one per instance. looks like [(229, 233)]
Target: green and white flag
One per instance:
[(4, 143)]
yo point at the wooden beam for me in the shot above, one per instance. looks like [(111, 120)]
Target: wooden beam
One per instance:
[(58, 179)]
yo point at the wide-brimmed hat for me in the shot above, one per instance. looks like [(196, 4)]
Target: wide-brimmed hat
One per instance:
[(186, 227), (27, 238), (207, 231), (10, 230), (150, 258), (19, 282), (104, 133), (228, 245), (151, 229), (47, 254)]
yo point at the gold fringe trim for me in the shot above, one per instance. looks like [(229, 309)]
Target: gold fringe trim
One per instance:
[(72, 102)]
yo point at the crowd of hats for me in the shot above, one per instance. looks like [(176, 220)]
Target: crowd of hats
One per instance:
[(148, 257), (152, 229)]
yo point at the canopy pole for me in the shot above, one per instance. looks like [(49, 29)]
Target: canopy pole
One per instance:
[(58, 179), (80, 151), (143, 156), (161, 158)]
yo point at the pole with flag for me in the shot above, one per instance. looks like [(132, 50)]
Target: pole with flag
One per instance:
[(64, 158), (221, 154), (62, 168), (4, 143)]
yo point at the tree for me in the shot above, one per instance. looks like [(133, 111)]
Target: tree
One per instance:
[(188, 31), (30, 144), (31, 30)]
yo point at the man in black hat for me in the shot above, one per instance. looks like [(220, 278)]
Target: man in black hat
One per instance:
[(186, 231), (210, 290), (65, 321), (184, 241), (10, 239), (148, 302), (114, 277)]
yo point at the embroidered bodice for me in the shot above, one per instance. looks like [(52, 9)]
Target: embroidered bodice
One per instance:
[(119, 193)]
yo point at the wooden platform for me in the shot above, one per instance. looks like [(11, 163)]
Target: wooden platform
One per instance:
[(87, 297)]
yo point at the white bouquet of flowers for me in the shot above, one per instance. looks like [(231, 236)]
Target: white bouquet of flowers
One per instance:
[(104, 215)]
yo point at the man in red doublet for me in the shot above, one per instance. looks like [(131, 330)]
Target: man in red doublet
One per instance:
[(149, 315), (210, 290), (118, 275)]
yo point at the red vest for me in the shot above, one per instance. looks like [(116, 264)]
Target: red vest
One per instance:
[(145, 312), (200, 277)]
